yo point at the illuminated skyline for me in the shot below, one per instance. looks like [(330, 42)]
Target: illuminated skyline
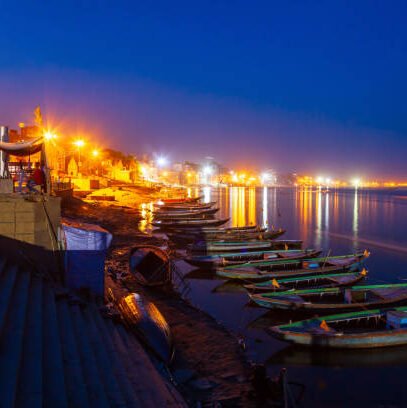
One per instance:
[(315, 89)]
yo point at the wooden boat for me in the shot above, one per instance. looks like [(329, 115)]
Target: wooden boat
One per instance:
[(362, 329), (227, 230), (185, 214), (275, 269), (334, 299), (150, 265), (188, 223), (248, 235), (310, 262), (231, 246), (187, 211), (311, 281), (188, 200), (237, 258), (275, 244), (184, 207), (149, 325)]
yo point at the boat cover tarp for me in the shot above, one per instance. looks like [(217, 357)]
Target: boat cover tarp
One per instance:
[(82, 236), (85, 254), (23, 148)]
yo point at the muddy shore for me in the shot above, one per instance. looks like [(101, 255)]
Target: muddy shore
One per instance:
[(209, 364)]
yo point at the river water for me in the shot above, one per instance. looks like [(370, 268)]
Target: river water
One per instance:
[(339, 222)]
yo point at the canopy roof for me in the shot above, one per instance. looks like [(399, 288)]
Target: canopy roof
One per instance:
[(23, 148)]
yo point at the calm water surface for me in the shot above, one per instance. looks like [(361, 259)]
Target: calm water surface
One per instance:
[(339, 222)]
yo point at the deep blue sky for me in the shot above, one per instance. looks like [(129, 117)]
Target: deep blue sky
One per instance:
[(316, 86)]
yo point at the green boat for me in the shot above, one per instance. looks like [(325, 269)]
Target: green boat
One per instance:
[(312, 281), (244, 246), (275, 269), (238, 258), (363, 329), (335, 299), (248, 235), (189, 223)]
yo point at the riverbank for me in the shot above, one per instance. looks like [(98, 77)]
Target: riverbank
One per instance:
[(209, 364)]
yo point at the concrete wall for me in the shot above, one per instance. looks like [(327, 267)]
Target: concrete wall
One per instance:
[(27, 221)]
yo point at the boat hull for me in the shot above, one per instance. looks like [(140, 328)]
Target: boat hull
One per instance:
[(189, 224), (149, 325)]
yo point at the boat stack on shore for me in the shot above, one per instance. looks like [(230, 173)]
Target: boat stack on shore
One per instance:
[(278, 274)]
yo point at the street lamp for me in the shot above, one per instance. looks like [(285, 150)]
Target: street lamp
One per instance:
[(208, 170), (161, 161), (356, 183), (79, 143), (48, 135)]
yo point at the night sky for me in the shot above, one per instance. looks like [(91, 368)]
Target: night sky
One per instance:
[(306, 86)]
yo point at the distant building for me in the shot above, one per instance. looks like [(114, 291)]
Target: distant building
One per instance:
[(72, 168), (30, 132)]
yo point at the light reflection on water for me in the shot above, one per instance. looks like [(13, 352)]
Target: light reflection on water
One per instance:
[(336, 221)]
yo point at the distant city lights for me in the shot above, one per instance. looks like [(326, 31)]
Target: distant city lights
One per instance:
[(208, 170), (79, 143), (162, 161), (48, 135), (356, 182)]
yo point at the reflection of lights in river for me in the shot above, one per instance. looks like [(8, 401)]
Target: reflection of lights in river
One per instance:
[(355, 223), (319, 219), (238, 206), (265, 207), (146, 216), (326, 212), (207, 194), (252, 206)]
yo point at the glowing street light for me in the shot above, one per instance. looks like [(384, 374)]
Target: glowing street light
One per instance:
[(265, 177), (161, 161), (356, 182), (48, 135), (95, 153), (208, 170), (79, 143)]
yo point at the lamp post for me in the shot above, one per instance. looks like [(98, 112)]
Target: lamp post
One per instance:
[(79, 144), (95, 155)]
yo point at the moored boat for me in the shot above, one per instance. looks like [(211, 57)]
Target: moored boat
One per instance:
[(185, 214), (184, 207), (150, 265), (182, 200), (334, 299), (312, 281), (149, 325), (275, 244), (274, 269), (361, 329), (187, 211), (236, 258), (225, 246), (189, 223), (248, 235)]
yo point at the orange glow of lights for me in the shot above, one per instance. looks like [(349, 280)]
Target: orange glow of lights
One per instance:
[(79, 143), (95, 153), (48, 135)]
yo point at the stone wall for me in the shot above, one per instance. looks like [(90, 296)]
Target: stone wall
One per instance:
[(25, 218)]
